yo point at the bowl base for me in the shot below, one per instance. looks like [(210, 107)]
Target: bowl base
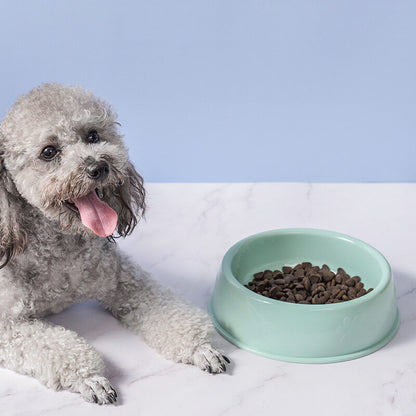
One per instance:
[(308, 360)]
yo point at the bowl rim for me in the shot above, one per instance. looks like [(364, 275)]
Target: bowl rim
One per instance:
[(386, 274)]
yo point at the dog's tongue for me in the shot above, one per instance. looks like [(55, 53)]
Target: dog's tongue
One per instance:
[(96, 214)]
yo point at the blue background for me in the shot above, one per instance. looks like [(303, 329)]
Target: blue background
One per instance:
[(221, 90)]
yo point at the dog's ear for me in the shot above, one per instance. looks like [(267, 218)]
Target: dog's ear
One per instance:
[(131, 195), (13, 237)]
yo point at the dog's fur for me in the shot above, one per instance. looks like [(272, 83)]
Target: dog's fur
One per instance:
[(50, 260)]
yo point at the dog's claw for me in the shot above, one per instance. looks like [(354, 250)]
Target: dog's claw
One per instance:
[(226, 359), (207, 358), (97, 389)]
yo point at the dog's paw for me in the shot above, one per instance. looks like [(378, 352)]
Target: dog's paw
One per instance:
[(207, 358), (97, 389)]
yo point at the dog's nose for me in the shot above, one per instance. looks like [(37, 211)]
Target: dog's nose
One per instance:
[(98, 171)]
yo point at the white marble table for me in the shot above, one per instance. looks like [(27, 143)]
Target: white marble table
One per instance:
[(188, 229)]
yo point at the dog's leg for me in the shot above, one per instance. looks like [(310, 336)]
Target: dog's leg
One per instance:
[(58, 358), (170, 325)]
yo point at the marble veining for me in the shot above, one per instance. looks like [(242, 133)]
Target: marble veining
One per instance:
[(187, 230)]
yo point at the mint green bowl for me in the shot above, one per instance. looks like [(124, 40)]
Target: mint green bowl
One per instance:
[(304, 333)]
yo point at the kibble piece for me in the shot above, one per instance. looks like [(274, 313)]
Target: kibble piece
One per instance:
[(325, 297), (276, 274), (350, 282), (341, 294), (352, 293), (314, 278), (307, 283), (316, 291), (334, 290), (274, 290), (288, 279), (327, 276), (362, 292), (299, 273), (299, 297), (258, 276)]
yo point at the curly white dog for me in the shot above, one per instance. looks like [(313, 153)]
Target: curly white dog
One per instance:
[(67, 189)]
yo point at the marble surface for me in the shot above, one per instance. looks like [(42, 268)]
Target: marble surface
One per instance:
[(187, 230)]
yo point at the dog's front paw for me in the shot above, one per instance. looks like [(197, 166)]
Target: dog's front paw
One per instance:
[(207, 358), (97, 389)]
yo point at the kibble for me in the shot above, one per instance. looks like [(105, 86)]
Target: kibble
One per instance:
[(307, 284)]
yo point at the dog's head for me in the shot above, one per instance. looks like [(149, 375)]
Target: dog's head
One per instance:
[(61, 153)]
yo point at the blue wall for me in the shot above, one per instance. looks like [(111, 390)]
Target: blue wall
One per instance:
[(240, 90)]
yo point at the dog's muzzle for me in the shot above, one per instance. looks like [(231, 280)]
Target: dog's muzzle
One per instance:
[(94, 213)]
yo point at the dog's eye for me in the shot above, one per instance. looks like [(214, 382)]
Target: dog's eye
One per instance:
[(93, 137), (49, 152)]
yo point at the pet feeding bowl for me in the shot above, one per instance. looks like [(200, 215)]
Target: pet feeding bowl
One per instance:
[(298, 332)]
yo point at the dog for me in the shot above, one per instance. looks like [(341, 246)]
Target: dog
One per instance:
[(67, 191)]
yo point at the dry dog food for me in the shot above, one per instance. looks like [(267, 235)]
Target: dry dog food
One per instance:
[(308, 284)]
